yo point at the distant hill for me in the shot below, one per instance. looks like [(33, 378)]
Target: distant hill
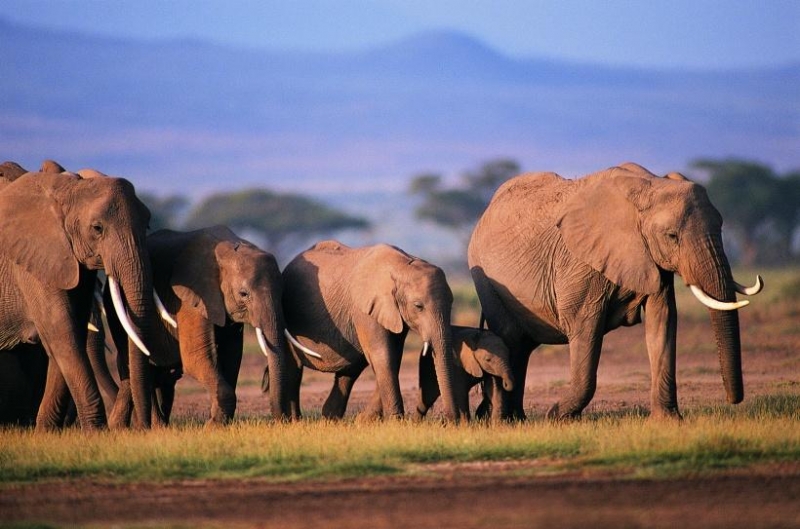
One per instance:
[(194, 117)]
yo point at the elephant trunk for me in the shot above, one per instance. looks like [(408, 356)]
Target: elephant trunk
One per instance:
[(136, 285), (270, 333), (715, 279), (453, 390)]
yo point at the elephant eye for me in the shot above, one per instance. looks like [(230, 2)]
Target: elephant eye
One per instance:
[(244, 294), (97, 228), (672, 236), (418, 305)]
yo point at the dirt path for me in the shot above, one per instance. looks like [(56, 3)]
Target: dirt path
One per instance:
[(756, 500)]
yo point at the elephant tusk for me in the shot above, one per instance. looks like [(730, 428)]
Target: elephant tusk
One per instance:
[(92, 327), (262, 342), (122, 314), (162, 310), (425, 348), (300, 346), (750, 291), (712, 303)]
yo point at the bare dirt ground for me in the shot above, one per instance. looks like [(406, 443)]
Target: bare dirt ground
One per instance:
[(481, 494)]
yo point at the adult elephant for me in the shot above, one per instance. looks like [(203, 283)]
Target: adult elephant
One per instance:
[(352, 307), (211, 282), (57, 230), (559, 261)]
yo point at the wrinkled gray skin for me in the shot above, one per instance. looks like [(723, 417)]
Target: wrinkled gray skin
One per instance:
[(57, 230), (212, 283), (559, 261), (355, 306), (484, 360)]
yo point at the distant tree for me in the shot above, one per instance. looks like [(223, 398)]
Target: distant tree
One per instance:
[(164, 211), (278, 218), (759, 207), (458, 207)]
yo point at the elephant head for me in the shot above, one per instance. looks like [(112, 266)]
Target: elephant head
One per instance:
[(227, 278), (637, 229), (400, 291), (484, 353)]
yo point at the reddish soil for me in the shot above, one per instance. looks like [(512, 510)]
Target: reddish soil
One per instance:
[(483, 494)]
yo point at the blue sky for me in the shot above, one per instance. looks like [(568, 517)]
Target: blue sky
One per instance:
[(674, 33)]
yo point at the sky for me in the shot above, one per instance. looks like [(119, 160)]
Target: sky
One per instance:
[(718, 34)]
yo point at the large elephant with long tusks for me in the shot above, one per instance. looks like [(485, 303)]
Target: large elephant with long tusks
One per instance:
[(559, 261), (57, 230), (347, 308), (209, 283)]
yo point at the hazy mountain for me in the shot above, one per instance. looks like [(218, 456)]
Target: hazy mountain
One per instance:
[(174, 114)]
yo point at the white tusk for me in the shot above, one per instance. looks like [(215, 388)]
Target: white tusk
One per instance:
[(425, 348), (300, 346), (122, 314), (262, 342), (93, 327), (750, 291), (165, 315), (712, 303)]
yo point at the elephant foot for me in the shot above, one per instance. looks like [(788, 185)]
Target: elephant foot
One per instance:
[(556, 415), (484, 410), (666, 414), (368, 417)]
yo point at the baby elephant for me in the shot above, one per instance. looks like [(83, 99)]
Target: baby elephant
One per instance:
[(485, 359)]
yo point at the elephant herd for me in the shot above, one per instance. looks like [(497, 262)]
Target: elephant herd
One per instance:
[(554, 261)]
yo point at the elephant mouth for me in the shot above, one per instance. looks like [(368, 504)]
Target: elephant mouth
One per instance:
[(715, 304)]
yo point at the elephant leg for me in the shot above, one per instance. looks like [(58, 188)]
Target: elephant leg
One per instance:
[(519, 367), (122, 412), (584, 357), (428, 386), (661, 326), (164, 394), (55, 401), (199, 357), (95, 349), (69, 364), (343, 381), (388, 386), (384, 351), (486, 408), (373, 410), (497, 397), (230, 343)]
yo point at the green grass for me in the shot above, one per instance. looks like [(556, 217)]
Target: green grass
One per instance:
[(766, 430)]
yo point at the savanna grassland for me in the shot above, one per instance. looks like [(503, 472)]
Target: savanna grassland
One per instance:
[(722, 466)]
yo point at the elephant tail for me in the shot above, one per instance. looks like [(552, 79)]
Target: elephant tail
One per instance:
[(482, 322)]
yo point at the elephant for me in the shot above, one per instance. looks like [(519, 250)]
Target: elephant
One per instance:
[(57, 230), (209, 283), (559, 261), (347, 308), (485, 360)]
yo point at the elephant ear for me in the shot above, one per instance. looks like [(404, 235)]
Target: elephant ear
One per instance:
[(196, 279), (32, 233), (600, 225), (467, 355), (375, 295)]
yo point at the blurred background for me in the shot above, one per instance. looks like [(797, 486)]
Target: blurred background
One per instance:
[(394, 121)]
